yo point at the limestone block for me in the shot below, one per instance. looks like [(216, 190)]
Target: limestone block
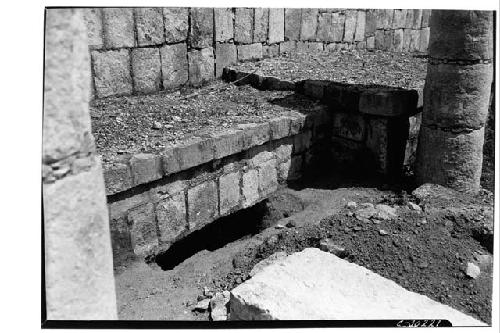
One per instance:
[(66, 86), (270, 51), (261, 19), (227, 142), (193, 152), (176, 24), (397, 41), (460, 171), (243, 22), (93, 21), (143, 229), (331, 289), (250, 187), (225, 55), (338, 22), (258, 155), (325, 27), (388, 39), (118, 178), (169, 160), (145, 168), (379, 39), (268, 177), (406, 39), (417, 19), (120, 208), (359, 35), (250, 52), (414, 40), (399, 19), (146, 69), (426, 15), (350, 25), (297, 123), (370, 42), (201, 66), (276, 25), (384, 18), (284, 170), (79, 281), (202, 27), (292, 23), (443, 94), (349, 125), (118, 27), (309, 24), (388, 102), (229, 189), (202, 204), (309, 46), (287, 47), (171, 217), (174, 65), (112, 73), (409, 19), (149, 25), (254, 134), (371, 22), (224, 26), (284, 151), (424, 40), (280, 127)]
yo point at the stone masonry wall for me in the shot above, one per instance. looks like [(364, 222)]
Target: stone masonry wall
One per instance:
[(156, 200), (143, 50)]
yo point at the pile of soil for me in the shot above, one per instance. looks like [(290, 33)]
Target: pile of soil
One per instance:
[(425, 252), (368, 67), (147, 123)]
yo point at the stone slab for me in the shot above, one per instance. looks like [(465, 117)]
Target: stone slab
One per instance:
[(174, 65), (243, 21), (292, 23), (276, 25), (146, 69), (118, 27), (224, 24), (112, 73), (201, 66), (202, 204), (202, 27), (315, 285), (176, 24), (149, 26), (261, 23)]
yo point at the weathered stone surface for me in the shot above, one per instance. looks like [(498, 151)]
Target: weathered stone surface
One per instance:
[(261, 19), (287, 47), (276, 25), (370, 42), (145, 168), (424, 40), (302, 141), (284, 151), (229, 189), (118, 27), (250, 189), (121, 207), (325, 27), (66, 86), (379, 39), (254, 134), (359, 34), (309, 46), (387, 102), (472, 270), (349, 125), (243, 22), (118, 178), (176, 24), (417, 19), (146, 69), (79, 282), (377, 142), (149, 25), (270, 51), (388, 39), (426, 15), (397, 42), (460, 171), (261, 265), (174, 65), (224, 26), (309, 24), (461, 34), (409, 19), (171, 217), (350, 25), (202, 204), (218, 308), (331, 289), (338, 21), (112, 73), (143, 229), (162, 191), (202, 27), (193, 152), (384, 18), (280, 127), (292, 23), (227, 142), (284, 170), (371, 22), (201, 66), (399, 18), (225, 55), (268, 177), (446, 105), (93, 21), (250, 52)]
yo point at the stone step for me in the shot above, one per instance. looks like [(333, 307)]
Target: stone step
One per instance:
[(315, 285)]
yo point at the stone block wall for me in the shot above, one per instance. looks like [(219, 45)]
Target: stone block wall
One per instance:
[(143, 50), (155, 200)]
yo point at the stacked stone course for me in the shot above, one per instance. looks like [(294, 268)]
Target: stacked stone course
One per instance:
[(144, 50)]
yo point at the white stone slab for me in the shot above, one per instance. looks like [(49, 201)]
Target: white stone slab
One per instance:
[(315, 285)]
